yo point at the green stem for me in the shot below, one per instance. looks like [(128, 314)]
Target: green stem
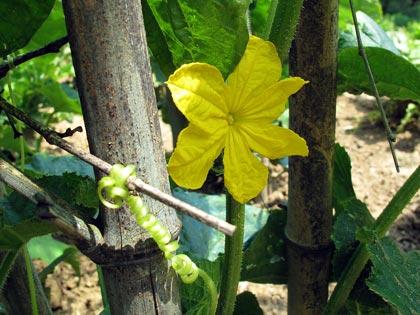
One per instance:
[(211, 289), (282, 21), (362, 53), (235, 214), (361, 255), (6, 265), (31, 281)]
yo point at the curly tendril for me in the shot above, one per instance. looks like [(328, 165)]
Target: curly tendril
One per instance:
[(116, 193)]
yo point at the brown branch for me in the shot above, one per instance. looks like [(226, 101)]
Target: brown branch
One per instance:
[(52, 47), (57, 212), (133, 183), (69, 132)]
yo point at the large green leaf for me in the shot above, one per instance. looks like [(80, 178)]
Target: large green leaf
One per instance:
[(61, 97), (395, 77), (157, 42), (395, 276), (20, 19), (371, 33), (198, 30), (205, 242), (372, 8), (264, 259), (50, 165), (54, 27), (69, 178)]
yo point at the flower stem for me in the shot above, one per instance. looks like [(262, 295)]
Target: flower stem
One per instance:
[(235, 214)]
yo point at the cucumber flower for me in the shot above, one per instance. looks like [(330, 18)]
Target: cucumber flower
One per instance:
[(234, 117)]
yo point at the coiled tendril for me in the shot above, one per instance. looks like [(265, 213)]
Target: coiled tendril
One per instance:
[(116, 193)]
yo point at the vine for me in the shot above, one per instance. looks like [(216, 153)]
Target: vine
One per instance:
[(117, 193)]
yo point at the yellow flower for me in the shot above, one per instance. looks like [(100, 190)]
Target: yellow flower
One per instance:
[(235, 116)]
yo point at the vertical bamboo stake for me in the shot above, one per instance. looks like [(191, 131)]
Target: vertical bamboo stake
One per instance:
[(312, 115), (109, 50)]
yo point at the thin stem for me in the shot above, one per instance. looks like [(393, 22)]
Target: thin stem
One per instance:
[(134, 183), (362, 53), (361, 256), (235, 214), (211, 289), (31, 281), (6, 265), (49, 48)]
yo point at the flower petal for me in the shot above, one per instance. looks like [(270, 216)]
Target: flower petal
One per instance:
[(197, 90), (245, 176), (269, 104), (259, 67), (194, 155), (273, 141)]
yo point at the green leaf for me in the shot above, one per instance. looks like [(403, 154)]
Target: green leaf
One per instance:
[(157, 42), (61, 97), (195, 297), (53, 28), (395, 276), (394, 76), (351, 213), (43, 164), (247, 304), (67, 177), (372, 8), (264, 259), (203, 241), (342, 183), (199, 30), (79, 192), (371, 33), (259, 10), (19, 222), (20, 19)]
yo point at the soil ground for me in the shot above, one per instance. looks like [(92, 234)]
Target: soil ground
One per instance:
[(374, 178)]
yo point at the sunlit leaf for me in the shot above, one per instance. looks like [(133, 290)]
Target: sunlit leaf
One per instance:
[(198, 30), (395, 77)]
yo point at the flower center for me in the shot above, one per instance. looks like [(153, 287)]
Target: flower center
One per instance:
[(230, 119)]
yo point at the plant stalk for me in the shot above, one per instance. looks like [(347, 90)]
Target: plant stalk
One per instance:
[(361, 256), (390, 135), (235, 214), (283, 18), (313, 57)]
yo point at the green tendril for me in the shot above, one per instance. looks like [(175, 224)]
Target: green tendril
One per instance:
[(113, 192)]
